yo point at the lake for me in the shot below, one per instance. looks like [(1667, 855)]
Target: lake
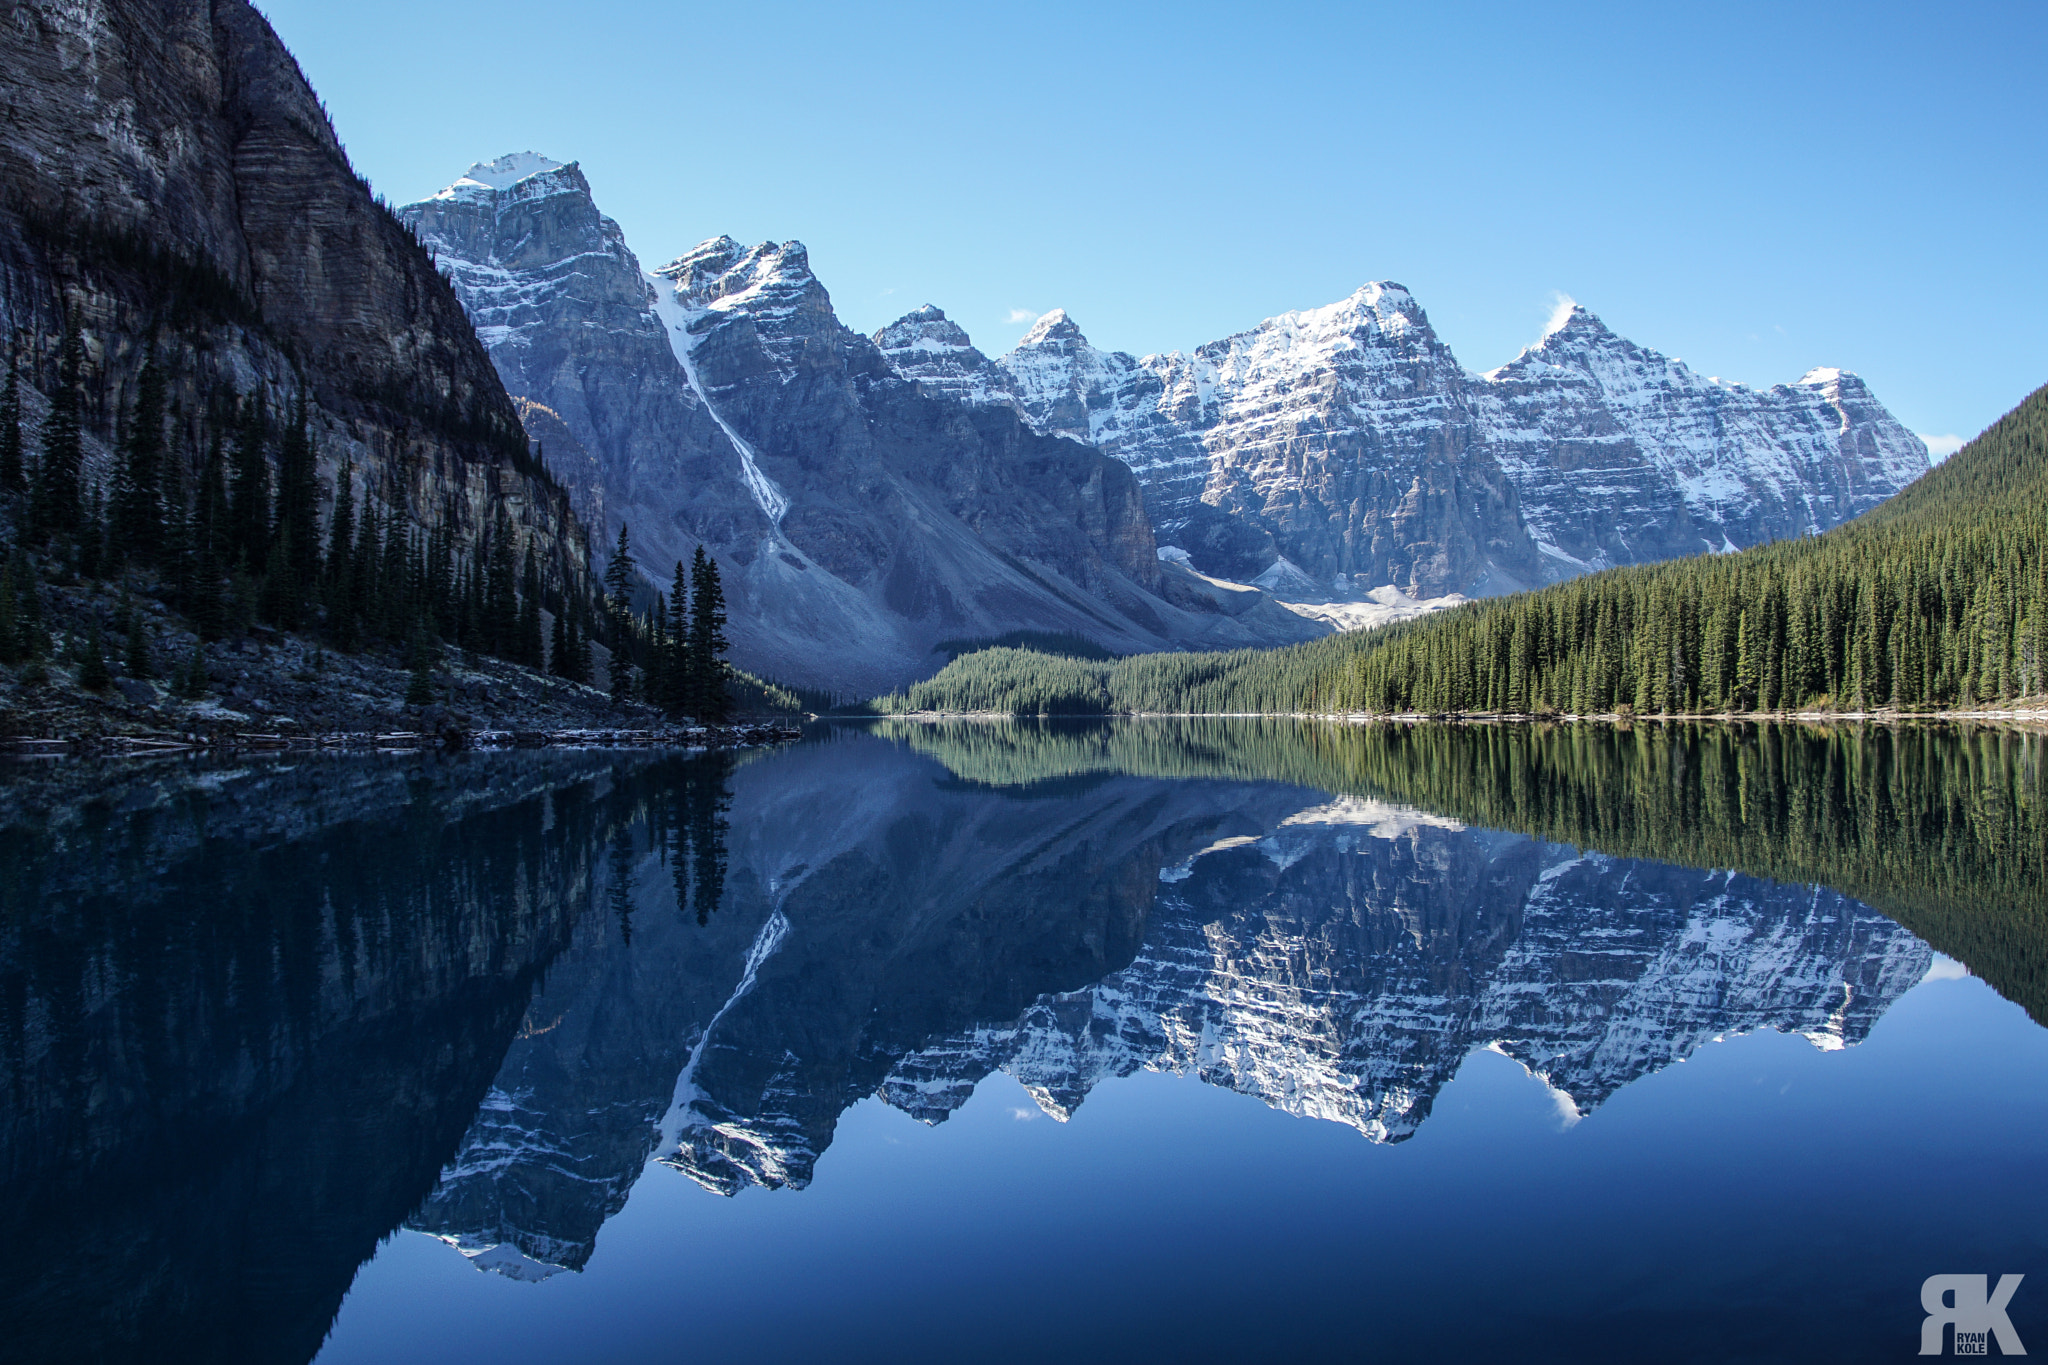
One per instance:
[(1137, 1040)]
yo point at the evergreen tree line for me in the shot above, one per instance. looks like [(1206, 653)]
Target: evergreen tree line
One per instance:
[(1945, 829), (672, 653), (227, 524), (1937, 599)]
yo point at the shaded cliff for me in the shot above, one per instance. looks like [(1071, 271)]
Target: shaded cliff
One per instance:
[(173, 183)]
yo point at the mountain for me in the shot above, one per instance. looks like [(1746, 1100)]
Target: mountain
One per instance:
[(861, 522), (172, 183), (1346, 446)]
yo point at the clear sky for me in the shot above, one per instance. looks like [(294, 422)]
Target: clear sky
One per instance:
[(1758, 189)]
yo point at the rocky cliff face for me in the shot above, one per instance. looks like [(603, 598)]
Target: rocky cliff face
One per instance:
[(860, 521), (1622, 455), (171, 179), (1345, 448)]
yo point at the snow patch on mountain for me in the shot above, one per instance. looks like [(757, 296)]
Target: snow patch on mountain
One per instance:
[(676, 320)]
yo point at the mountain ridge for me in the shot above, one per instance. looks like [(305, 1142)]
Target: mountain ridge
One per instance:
[(861, 522), (1253, 447)]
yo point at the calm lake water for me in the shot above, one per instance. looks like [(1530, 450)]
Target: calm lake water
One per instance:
[(1129, 1041)]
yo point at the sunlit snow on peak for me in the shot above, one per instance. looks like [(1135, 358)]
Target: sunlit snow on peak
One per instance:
[(1055, 324), (505, 172)]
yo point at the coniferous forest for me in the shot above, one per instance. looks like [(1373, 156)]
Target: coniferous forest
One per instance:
[(220, 518), (1937, 599)]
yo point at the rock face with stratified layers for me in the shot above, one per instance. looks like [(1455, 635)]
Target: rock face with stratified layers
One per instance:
[(172, 182)]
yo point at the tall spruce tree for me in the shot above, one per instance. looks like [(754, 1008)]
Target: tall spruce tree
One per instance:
[(13, 470), (618, 583), (529, 652), (248, 520), (707, 644), (298, 511), (338, 586), (207, 603), (676, 678), (59, 493), (138, 493)]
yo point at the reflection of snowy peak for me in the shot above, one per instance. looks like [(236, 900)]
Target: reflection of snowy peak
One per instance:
[(1348, 440), (1336, 957), (1346, 978)]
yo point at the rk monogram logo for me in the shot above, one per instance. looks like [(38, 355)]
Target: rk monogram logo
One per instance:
[(1961, 1300)]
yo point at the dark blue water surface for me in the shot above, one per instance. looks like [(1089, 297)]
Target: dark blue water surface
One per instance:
[(1134, 1042)]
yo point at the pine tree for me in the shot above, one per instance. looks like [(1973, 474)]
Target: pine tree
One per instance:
[(654, 681), (362, 569), (501, 602), (279, 598), (138, 492), (579, 653), (676, 678), (92, 538), (58, 500), (618, 582), (620, 669), (248, 510), (339, 576), (26, 640), (207, 603), (529, 651), (558, 647), (13, 472), (419, 689), (707, 643), (93, 674), (138, 661), (192, 679), (395, 607)]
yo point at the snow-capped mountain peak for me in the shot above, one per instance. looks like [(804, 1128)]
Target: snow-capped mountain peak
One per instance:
[(1348, 441), (502, 174), (721, 274), (926, 329), (1055, 328)]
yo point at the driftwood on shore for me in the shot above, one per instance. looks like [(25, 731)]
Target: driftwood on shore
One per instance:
[(742, 735)]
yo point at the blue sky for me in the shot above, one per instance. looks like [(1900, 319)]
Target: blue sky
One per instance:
[(1757, 189)]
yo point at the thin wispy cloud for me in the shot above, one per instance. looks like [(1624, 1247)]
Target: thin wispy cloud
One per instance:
[(1021, 315), (1561, 305), (1023, 1115)]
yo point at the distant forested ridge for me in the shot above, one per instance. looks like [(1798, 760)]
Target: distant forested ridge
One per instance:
[(1936, 599), (1942, 827)]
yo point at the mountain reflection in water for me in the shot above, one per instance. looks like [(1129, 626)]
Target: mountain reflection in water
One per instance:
[(251, 1021)]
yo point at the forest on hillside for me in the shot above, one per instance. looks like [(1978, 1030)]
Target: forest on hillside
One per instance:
[(1937, 599)]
